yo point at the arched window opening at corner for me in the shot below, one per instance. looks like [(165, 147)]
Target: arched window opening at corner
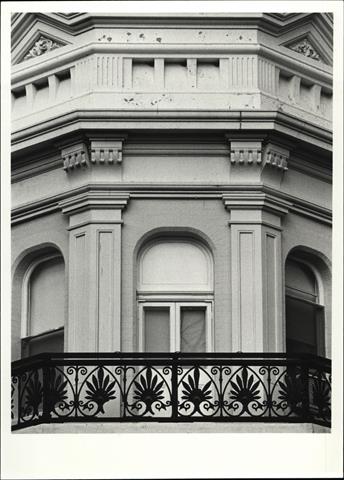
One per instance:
[(175, 297), (305, 329), (43, 307)]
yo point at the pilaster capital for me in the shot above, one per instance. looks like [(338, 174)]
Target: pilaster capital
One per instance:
[(255, 200), (94, 200), (255, 207)]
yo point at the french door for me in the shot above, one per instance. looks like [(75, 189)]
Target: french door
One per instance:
[(175, 327)]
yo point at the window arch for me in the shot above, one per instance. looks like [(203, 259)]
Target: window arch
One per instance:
[(305, 312), (43, 306), (175, 296)]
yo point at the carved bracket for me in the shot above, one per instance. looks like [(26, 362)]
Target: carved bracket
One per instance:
[(246, 153), (74, 156), (88, 152), (254, 162), (275, 156), (106, 151)]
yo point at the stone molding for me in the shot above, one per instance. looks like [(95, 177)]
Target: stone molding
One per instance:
[(88, 152)]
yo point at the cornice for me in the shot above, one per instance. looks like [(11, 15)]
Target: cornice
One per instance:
[(93, 194), (272, 23), (128, 120)]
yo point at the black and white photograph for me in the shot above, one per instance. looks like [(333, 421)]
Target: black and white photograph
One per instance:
[(172, 255)]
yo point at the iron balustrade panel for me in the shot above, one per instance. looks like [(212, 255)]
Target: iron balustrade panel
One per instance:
[(130, 387)]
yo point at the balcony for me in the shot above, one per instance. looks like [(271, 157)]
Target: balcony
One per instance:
[(138, 387)]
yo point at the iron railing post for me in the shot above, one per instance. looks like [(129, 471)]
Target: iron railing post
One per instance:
[(174, 385), (46, 403), (305, 392)]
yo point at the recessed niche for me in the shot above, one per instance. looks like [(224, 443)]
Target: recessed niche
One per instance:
[(18, 100), (284, 87), (326, 103), (176, 75), (41, 97), (208, 74), (64, 84), (143, 74)]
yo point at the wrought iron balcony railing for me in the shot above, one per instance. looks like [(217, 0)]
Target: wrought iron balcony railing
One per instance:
[(128, 387)]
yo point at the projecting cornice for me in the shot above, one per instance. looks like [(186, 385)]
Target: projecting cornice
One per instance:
[(274, 23), (110, 121)]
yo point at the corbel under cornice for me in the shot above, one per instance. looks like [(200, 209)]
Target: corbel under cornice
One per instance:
[(84, 151), (258, 161)]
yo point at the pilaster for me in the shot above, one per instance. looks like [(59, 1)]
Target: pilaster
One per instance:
[(256, 270), (94, 310)]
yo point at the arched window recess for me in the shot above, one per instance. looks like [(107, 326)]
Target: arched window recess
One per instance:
[(175, 296), (43, 306), (305, 318)]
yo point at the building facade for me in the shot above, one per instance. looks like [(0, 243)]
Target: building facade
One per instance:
[(171, 222)]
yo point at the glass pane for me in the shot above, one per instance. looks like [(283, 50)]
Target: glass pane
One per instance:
[(192, 329), (51, 342), (300, 326), (157, 329)]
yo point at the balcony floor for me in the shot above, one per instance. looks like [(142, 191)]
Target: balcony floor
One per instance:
[(149, 427)]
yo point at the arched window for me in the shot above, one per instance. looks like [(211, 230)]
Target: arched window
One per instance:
[(305, 329), (43, 310), (175, 296)]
